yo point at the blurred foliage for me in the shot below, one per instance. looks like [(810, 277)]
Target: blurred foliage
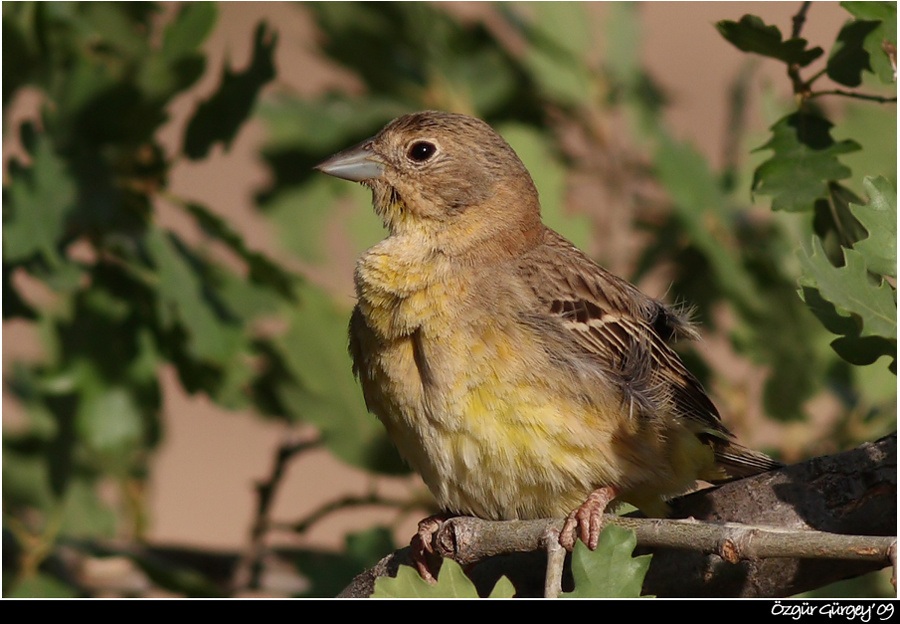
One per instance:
[(127, 294), (81, 222)]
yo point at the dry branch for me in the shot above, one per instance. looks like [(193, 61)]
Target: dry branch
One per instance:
[(834, 502)]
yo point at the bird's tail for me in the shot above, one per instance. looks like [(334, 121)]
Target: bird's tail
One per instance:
[(738, 462)]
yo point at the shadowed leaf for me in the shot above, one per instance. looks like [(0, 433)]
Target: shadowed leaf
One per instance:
[(751, 34), (219, 118)]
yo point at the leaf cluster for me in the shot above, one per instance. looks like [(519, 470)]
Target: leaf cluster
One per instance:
[(113, 292)]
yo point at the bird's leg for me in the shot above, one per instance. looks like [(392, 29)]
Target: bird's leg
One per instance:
[(421, 548), (586, 521)]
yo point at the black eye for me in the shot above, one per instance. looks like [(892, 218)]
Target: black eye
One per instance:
[(420, 151)]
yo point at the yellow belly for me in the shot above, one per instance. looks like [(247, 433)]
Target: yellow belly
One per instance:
[(496, 427)]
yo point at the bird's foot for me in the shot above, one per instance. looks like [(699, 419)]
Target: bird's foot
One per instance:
[(587, 521), (424, 558)]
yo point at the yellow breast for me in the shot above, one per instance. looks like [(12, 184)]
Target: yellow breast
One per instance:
[(473, 400)]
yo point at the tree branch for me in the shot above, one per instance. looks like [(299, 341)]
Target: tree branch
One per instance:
[(834, 503), (469, 540)]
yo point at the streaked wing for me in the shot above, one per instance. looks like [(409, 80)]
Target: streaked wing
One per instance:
[(625, 333)]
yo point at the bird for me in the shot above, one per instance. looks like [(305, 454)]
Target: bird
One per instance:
[(517, 376)]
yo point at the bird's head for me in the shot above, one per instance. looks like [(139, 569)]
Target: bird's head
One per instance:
[(446, 175)]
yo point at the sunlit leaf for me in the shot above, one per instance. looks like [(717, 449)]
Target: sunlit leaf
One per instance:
[(871, 305), (109, 421), (879, 217), (852, 291), (805, 159), (610, 571), (452, 582)]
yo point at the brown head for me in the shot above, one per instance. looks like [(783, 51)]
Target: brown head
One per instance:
[(447, 176)]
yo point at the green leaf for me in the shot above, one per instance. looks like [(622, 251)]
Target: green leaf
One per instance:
[(849, 346), (504, 588), (85, 513), (884, 35), (39, 202), (559, 33), (221, 116), (452, 582), (610, 571), (849, 293), (180, 60), (328, 124), (109, 421), (851, 290), (188, 29), (848, 57), (751, 34), (879, 217), (40, 585), (428, 60), (182, 301), (262, 270), (804, 162)]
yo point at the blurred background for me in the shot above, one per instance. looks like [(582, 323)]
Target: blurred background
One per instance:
[(177, 400)]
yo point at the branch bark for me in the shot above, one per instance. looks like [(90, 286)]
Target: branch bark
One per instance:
[(849, 494)]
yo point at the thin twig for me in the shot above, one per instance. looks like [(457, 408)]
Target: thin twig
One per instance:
[(799, 19), (248, 571), (346, 502), (556, 561), (800, 87), (852, 94)]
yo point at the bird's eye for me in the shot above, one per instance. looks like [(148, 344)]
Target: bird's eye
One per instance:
[(420, 151)]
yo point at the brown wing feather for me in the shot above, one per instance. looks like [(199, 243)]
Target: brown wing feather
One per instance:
[(626, 332), (627, 335)]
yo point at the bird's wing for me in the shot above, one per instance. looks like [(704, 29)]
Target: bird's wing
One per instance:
[(622, 331)]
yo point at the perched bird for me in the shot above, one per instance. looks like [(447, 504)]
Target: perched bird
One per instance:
[(516, 376)]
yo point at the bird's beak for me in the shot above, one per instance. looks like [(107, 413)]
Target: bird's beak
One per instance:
[(357, 163)]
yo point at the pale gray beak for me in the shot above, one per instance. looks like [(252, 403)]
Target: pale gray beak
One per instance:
[(357, 163)]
